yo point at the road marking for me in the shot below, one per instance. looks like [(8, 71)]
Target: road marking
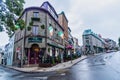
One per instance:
[(42, 78), (63, 74), (20, 76)]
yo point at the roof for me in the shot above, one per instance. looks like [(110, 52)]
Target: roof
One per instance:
[(89, 32), (63, 15), (50, 7)]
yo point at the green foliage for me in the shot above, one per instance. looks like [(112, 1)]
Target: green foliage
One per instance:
[(119, 41), (48, 49), (31, 23), (53, 61), (21, 23), (15, 6), (43, 26), (29, 28)]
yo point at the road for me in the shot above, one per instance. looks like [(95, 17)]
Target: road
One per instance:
[(99, 67)]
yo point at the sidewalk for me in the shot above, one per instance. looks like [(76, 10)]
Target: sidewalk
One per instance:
[(54, 68)]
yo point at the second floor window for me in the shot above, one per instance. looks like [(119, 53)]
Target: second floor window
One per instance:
[(35, 14), (35, 30)]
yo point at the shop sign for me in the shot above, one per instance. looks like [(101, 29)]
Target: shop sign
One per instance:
[(35, 39), (18, 49)]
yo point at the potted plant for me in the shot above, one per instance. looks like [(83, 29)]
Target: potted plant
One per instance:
[(48, 49), (31, 23)]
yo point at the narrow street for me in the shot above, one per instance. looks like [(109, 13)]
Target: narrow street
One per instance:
[(99, 67)]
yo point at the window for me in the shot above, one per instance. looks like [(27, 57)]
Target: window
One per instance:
[(50, 21), (87, 37), (87, 42), (35, 14), (35, 30)]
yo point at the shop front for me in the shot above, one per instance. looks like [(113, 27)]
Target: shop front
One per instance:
[(56, 52), (35, 50)]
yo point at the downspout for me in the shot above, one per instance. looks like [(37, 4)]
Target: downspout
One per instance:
[(45, 36), (23, 45)]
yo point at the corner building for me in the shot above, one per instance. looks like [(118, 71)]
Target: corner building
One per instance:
[(42, 33)]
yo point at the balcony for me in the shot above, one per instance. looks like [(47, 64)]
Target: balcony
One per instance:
[(35, 19)]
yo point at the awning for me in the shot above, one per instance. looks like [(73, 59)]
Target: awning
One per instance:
[(56, 46)]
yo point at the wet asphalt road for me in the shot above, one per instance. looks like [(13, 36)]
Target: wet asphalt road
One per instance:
[(9, 74), (100, 67)]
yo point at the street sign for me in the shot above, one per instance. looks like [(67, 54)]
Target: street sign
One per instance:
[(18, 49)]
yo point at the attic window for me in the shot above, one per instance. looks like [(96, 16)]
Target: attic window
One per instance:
[(35, 14)]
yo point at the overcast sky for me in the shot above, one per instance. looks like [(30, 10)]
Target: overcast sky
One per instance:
[(102, 16)]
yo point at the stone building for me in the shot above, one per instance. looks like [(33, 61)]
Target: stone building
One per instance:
[(64, 23), (42, 36), (92, 42), (111, 44)]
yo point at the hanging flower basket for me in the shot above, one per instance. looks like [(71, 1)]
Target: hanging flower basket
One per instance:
[(29, 28), (48, 49), (69, 47), (31, 23), (43, 26)]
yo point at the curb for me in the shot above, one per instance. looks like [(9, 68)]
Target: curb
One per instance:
[(40, 71), (21, 70), (47, 71), (87, 57), (80, 61)]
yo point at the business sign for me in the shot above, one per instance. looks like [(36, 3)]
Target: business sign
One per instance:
[(18, 49), (35, 39)]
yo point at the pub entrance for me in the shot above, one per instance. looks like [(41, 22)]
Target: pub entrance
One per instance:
[(34, 54)]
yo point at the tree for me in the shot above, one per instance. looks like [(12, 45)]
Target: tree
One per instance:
[(15, 6), (2, 14), (12, 10), (119, 41)]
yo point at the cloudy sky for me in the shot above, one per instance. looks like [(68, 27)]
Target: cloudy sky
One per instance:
[(103, 16)]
